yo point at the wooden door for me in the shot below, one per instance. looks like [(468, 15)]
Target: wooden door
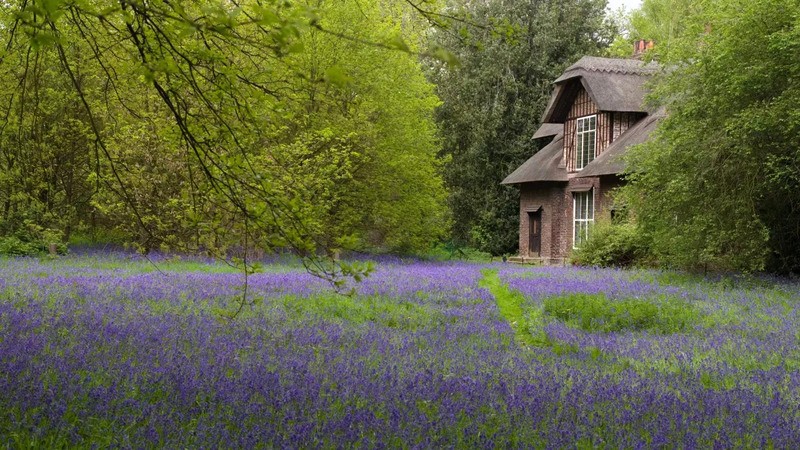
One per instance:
[(535, 238)]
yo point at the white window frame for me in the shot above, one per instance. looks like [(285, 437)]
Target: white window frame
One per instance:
[(582, 216), (585, 141)]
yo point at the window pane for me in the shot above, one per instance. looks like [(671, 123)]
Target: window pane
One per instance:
[(583, 216), (589, 151), (585, 141)]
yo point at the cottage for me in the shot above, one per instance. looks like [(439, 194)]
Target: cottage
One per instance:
[(595, 114)]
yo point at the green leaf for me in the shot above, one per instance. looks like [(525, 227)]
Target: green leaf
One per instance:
[(444, 55), (397, 43), (337, 76)]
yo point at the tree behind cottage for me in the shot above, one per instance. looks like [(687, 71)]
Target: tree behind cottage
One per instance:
[(719, 184), (493, 102)]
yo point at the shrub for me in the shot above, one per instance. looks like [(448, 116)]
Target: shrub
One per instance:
[(30, 239), (449, 251), (612, 245), (14, 246), (596, 313)]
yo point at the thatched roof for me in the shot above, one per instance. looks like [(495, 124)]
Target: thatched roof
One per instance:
[(613, 85), (614, 66), (545, 165), (611, 162), (548, 130)]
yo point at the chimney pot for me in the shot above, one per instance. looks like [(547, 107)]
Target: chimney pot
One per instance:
[(641, 46)]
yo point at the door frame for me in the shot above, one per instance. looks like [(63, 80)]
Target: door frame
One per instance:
[(535, 232)]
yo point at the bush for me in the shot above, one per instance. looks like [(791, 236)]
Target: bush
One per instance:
[(450, 251), (14, 246), (613, 245), (596, 313), (29, 240)]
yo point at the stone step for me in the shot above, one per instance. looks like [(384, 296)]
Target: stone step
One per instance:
[(537, 261)]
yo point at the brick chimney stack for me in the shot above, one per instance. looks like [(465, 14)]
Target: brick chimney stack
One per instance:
[(641, 46)]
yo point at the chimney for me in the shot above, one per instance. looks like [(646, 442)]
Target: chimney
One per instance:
[(641, 46)]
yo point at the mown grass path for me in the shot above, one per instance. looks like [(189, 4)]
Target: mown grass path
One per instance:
[(509, 303)]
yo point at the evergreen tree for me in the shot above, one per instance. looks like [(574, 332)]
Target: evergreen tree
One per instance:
[(493, 103)]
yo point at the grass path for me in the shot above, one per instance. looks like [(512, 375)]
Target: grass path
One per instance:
[(510, 304)]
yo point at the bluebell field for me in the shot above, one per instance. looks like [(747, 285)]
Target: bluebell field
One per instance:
[(104, 350)]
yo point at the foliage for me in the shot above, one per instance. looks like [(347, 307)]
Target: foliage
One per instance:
[(596, 313), (448, 252), (666, 22), (493, 101), (31, 239), (612, 244), (13, 246), (371, 165), (210, 125), (716, 187), (45, 152)]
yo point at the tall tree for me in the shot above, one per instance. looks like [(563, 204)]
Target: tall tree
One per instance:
[(287, 125), (718, 186), (382, 108), (45, 147), (666, 22), (493, 102)]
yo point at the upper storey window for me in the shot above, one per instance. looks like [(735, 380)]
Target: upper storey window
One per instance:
[(586, 141)]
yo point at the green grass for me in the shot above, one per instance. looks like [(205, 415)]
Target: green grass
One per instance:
[(172, 265), (597, 313), (388, 312), (592, 313), (527, 327)]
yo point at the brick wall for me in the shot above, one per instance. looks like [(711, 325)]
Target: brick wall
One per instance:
[(556, 203), (548, 196), (607, 185)]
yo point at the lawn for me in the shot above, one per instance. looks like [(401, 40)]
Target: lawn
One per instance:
[(107, 350)]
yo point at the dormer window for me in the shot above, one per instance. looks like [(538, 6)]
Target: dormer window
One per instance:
[(585, 141)]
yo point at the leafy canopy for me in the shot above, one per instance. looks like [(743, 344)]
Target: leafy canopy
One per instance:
[(210, 125), (717, 186)]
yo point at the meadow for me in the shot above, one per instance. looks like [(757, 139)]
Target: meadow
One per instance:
[(106, 350)]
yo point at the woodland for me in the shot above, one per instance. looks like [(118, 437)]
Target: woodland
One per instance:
[(383, 126)]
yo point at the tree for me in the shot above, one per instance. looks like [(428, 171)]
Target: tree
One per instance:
[(212, 123), (493, 102), (44, 149), (670, 24), (393, 198), (717, 186)]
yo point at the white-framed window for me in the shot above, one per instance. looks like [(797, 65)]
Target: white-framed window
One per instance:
[(585, 141), (582, 216)]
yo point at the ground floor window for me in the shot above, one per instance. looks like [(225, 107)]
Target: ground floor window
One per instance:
[(583, 216)]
